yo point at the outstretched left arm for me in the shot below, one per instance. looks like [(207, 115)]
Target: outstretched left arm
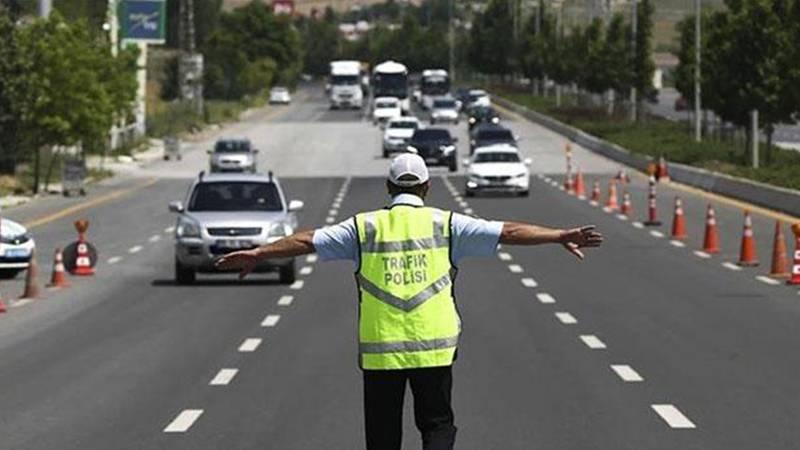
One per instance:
[(298, 244)]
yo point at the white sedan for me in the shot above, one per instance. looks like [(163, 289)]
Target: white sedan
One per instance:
[(397, 134), (280, 94), (385, 108), (16, 248), (497, 168)]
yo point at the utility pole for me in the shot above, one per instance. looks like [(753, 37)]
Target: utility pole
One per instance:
[(754, 137), (634, 31), (452, 39), (698, 131), (559, 37), (45, 6), (190, 63)]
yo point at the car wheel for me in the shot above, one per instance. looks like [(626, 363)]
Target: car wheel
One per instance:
[(469, 193), (385, 153), (452, 165), (524, 194), (433, 122), (287, 273), (8, 274), (183, 274)]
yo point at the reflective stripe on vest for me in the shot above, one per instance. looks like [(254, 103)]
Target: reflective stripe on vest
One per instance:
[(409, 346), (438, 240)]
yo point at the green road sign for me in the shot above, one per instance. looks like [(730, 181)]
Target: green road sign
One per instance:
[(144, 21)]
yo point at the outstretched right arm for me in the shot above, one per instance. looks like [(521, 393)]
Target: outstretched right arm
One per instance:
[(573, 239)]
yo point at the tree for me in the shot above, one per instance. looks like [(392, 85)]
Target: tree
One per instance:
[(643, 65), (492, 46)]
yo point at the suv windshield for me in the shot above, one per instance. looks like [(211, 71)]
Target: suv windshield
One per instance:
[(408, 124), (235, 196), (481, 112), (386, 104), (498, 157), (232, 147), (444, 104), (344, 80), (495, 135), (431, 134)]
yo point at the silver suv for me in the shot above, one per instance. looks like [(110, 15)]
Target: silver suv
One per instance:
[(233, 155), (229, 212)]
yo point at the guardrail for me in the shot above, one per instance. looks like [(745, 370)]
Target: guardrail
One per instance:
[(761, 194)]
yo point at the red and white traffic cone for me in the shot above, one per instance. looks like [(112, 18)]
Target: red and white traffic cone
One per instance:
[(595, 200), (747, 254), (679, 221), (663, 170), (58, 279), (779, 268), (627, 208), (580, 187), (83, 261), (795, 279), (612, 204), (711, 239), (3, 307), (652, 206)]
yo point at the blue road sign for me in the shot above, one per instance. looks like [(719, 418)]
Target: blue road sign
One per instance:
[(144, 21)]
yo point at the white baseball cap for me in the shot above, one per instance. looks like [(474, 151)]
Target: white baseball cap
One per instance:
[(408, 170)]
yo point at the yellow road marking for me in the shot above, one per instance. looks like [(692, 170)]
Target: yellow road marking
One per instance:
[(759, 210), (87, 204)]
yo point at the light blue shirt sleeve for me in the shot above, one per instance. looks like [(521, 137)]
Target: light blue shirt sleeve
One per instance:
[(337, 242), (473, 237)]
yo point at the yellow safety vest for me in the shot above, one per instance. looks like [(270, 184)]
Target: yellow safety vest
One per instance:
[(408, 316)]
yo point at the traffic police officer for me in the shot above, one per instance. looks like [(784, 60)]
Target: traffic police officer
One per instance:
[(406, 257)]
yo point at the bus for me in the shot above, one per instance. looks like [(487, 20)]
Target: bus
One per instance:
[(434, 83), (390, 79)]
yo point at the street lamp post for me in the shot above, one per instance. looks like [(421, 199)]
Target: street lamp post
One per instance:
[(698, 132), (634, 32), (45, 6), (452, 39)]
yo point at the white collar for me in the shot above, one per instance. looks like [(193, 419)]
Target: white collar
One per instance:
[(407, 199)]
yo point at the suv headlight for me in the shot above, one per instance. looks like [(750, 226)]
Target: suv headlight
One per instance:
[(495, 119), (187, 228), (279, 229), (448, 148)]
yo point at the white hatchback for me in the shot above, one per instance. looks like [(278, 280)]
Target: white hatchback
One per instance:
[(385, 108), (397, 133), (280, 94), (497, 168)]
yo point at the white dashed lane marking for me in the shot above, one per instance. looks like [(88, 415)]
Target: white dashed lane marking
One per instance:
[(333, 212), (529, 282), (184, 421), (566, 318), (545, 298), (155, 238), (732, 266), (676, 243), (271, 320), (468, 211), (626, 373), (593, 342), (673, 417), (311, 259), (656, 234), (637, 224), (504, 256), (135, 249), (114, 259), (224, 377), (297, 285), (515, 268), (286, 300), (767, 280), (250, 345), (330, 219), (703, 255), (306, 270), (169, 229)]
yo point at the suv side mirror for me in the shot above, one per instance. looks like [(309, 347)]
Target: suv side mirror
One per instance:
[(255, 150), (295, 205), (176, 207), (528, 161), (465, 162), (209, 151), (455, 139)]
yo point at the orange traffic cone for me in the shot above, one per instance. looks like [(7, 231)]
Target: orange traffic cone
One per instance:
[(779, 268), (595, 193), (795, 279), (568, 184), (2, 305), (31, 275), (612, 204), (662, 171), (58, 279), (580, 187), (626, 209), (83, 262), (747, 254), (652, 211), (711, 239), (679, 221)]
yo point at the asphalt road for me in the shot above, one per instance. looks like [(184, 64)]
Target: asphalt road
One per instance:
[(644, 345)]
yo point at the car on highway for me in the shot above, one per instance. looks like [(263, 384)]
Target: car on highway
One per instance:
[(488, 134), (397, 133), (478, 97), (280, 95), (444, 109), (436, 146), (385, 108), (482, 114), (228, 212), (233, 155), (497, 168), (16, 248)]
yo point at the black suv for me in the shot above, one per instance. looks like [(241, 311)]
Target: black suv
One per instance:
[(490, 134), (436, 146), (482, 114)]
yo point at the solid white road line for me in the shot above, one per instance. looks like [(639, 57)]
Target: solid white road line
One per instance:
[(286, 300), (676, 243), (593, 342), (224, 377), (637, 224), (311, 259), (732, 266), (768, 280), (673, 416), (155, 238), (184, 421), (169, 229), (306, 270), (504, 256), (114, 259), (297, 285), (250, 345), (271, 320), (529, 282), (515, 268), (627, 373), (545, 298), (566, 318), (135, 249), (700, 254), (656, 234)]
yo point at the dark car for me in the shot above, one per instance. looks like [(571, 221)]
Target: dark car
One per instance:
[(482, 114), (436, 146), (462, 95), (490, 134)]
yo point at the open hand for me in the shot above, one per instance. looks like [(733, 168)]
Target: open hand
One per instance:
[(244, 260), (576, 238)]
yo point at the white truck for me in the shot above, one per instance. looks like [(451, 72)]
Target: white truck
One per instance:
[(345, 85), (434, 83)]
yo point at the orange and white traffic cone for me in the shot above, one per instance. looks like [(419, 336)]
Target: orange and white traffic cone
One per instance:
[(31, 283), (795, 279), (83, 261), (711, 239), (58, 279), (652, 207), (612, 204), (580, 187), (747, 254), (595, 200), (3, 307), (627, 208), (679, 221), (779, 268), (568, 184), (663, 169)]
